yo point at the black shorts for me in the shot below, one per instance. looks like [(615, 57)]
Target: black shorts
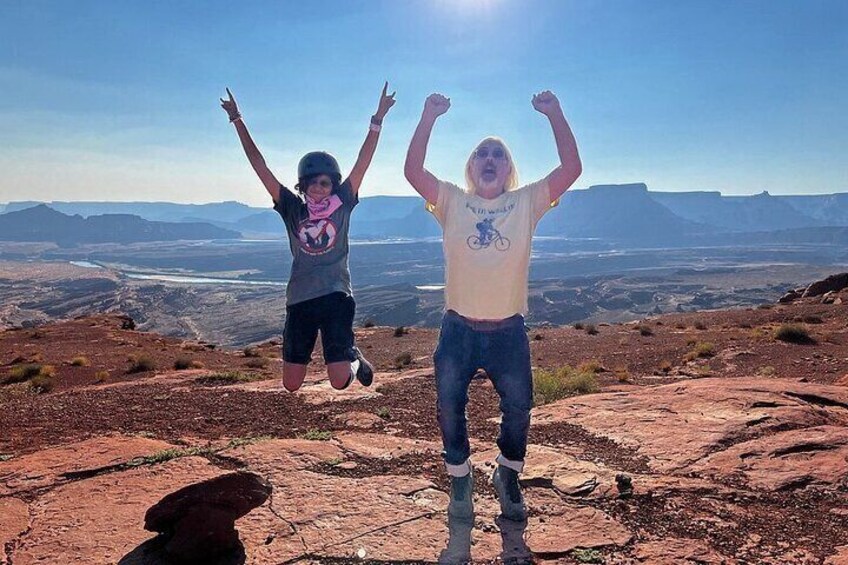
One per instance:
[(333, 315)]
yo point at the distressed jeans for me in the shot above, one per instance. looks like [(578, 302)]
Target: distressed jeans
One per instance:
[(501, 349)]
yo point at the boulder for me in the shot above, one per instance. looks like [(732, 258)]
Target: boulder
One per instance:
[(833, 283)]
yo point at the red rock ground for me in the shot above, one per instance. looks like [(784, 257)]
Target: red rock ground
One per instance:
[(739, 457)]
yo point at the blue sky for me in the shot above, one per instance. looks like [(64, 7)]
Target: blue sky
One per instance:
[(119, 100)]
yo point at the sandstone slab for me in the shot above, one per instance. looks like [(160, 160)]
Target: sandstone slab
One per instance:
[(574, 527), (100, 519), (795, 458), (677, 551), (58, 464), (675, 425), (14, 520)]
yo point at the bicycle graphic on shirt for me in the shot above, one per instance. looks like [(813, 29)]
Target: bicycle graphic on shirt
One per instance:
[(487, 235)]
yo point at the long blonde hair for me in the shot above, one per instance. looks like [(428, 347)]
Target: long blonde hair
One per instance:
[(511, 179)]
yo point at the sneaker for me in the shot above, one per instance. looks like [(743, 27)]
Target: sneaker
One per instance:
[(365, 372), (461, 504), (509, 494)]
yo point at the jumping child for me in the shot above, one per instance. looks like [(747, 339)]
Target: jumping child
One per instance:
[(317, 219)]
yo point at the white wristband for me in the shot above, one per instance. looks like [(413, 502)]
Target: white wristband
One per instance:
[(375, 127)]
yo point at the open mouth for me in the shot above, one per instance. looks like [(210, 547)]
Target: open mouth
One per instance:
[(489, 173)]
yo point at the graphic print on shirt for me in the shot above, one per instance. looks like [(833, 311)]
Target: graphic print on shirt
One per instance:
[(317, 237), (487, 234)]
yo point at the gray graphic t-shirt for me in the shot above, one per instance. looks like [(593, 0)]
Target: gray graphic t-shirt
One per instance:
[(319, 248)]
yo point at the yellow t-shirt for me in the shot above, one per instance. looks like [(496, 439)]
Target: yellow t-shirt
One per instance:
[(487, 248)]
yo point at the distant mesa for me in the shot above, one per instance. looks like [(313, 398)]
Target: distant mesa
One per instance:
[(42, 223), (620, 213)]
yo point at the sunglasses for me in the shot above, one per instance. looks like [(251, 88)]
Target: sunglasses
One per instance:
[(323, 183), (496, 153)]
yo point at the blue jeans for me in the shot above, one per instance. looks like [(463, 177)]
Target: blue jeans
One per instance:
[(501, 349)]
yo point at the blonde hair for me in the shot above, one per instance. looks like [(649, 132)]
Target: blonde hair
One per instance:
[(511, 179)]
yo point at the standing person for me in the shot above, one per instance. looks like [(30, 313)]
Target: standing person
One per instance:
[(488, 228), (317, 219)]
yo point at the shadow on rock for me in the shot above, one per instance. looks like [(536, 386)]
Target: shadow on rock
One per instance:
[(197, 523), (458, 550), (515, 550), (152, 552)]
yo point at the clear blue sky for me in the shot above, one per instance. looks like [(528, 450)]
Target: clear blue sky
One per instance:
[(118, 100)]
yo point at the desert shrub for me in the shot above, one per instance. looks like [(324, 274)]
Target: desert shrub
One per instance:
[(403, 360), (257, 363), (702, 349), (101, 376), (318, 435), (591, 329), (369, 323), (813, 320), (680, 326), (665, 366), (251, 352), (183, 363), (552, 385), (592, 366), (141, 364), (400, 331), (229, 377), (80, 361), (22, 373), (645, 330), (766, 371), (622, 375), (793, 333), (592, 556), (699, 325), (578, 326), (384, 413), (44, 381)]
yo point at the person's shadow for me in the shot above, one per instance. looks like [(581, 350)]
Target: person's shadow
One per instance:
[(514, 549), (152, 552)]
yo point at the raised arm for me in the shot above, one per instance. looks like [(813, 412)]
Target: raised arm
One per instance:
[(257, 161), (370, 144), (420, 178), (570, 167)]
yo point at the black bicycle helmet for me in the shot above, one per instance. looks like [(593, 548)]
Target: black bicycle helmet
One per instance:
[(318, 163)]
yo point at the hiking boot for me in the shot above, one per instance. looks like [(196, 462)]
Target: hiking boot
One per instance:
[(365, 372), (461, 504), (509, 494)]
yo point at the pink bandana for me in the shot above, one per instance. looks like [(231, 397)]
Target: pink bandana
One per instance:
[(323, 209)]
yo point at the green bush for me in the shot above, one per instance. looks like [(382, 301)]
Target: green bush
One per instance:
[(793, 333), (552, 385)]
